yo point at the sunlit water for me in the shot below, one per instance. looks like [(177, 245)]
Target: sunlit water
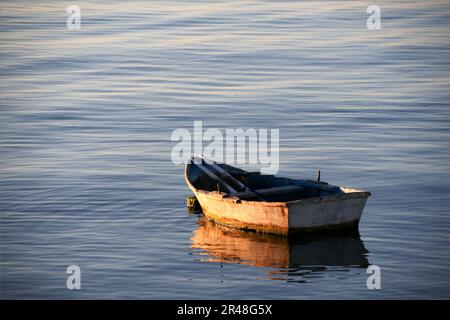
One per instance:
[(86, 119)]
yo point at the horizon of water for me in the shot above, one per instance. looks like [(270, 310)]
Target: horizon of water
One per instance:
[(86, 118)]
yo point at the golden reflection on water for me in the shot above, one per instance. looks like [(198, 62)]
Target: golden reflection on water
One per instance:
[(215, 243)]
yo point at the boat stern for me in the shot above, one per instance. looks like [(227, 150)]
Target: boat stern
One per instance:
[(341, 211)]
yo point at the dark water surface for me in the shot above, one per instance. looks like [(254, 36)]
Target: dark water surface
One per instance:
[(86, 119)]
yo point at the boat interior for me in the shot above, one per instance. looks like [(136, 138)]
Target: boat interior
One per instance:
[(254, 186)]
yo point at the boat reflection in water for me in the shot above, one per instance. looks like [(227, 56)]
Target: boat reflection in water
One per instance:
[(293, 256)]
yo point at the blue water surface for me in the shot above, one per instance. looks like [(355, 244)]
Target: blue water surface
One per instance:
[(87, 116)]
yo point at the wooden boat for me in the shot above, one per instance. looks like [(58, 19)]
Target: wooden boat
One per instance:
[(265, 203)]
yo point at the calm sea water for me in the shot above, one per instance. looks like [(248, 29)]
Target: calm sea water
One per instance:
[(86, 119)]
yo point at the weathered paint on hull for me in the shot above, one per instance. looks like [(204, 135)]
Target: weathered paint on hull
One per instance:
[(326, 213), (271, 218), (312, 215)]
